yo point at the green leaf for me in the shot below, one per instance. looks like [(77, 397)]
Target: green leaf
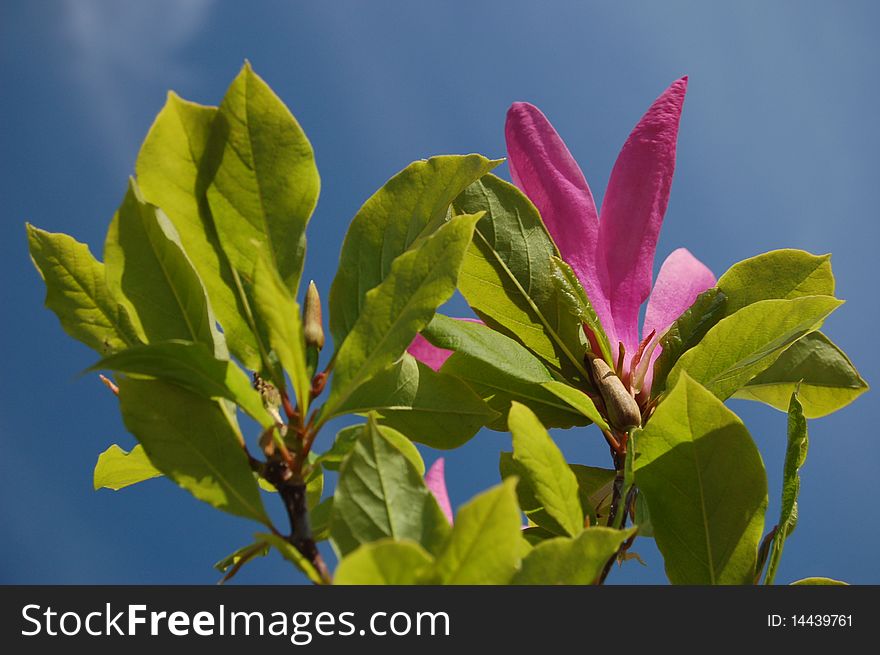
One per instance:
[(266, 184), (278, 313), (384, 562), (291, 554), (819, 581), (686, 332), (260, 549), (824, 376), (77, 292), (507, 276), (420, 280), (705, 486), (116, 468), (380, 493), (319, 517), (746, 343), (191, 366), (174, 167), (573, 296), (778, 274), (594, 492), (194, 442), (347, 437), (408, 208), (578, 400), (795, 456), (485, 546), (577, 561), (546, 470), (150, 274), (500, 370), (435, 409)]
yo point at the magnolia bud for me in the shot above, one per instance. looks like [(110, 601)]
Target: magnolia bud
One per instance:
[(312, 318), (623, 410)]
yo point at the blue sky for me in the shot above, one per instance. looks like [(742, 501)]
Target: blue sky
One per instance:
[(778, 148)]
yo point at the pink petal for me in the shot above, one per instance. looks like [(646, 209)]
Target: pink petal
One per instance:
[(422, 350), (681, 279), (436, 483), (431, 355), (543, 168), (633, 209)]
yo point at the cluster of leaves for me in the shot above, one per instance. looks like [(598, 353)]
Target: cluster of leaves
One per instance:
[(199, 284)]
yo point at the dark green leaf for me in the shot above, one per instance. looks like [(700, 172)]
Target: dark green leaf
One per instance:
[(507, 276), (347, 437), (381, 494), (574, 298)]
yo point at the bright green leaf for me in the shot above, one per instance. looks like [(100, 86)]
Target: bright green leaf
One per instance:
[(778, 274), (742, 345), (291, 554), (384, 562), (795, 456), (260, 549), (819, 581), (193, 441), (278, 313), (194, 367), (381, 494), (419, 281), (507, 276), (435, 409), (266, 184), (76, 290), (578, 561), (546, 470), (116, 468), (149, 272), (485, 546), (705, 486), (825, 377), (686, 332), (408, 208), (173, 170), (500, 370)]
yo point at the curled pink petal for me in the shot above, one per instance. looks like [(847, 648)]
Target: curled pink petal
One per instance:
[(543, 168), (431, 355), (681, 279), (435, 480), (633, 209), (428, 354)]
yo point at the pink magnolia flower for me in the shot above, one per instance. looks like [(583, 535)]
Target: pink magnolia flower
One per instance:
[(435, 479), (612, 251)]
